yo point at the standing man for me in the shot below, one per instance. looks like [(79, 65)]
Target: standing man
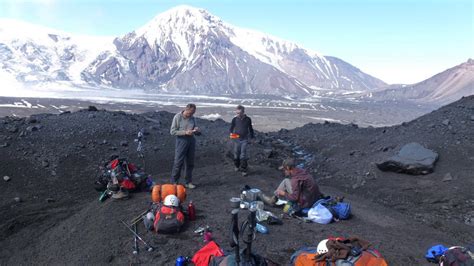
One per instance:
[(241, 131), (184, 128)]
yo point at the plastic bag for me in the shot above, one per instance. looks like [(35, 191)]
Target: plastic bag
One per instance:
[(320, 214)]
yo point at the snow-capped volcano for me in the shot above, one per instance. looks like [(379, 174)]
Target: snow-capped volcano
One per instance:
[(183, 50), (188, 49)]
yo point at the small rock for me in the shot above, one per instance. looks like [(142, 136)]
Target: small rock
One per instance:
[(49, 200), (124, 143), (13, 129), (17, 199), (53, 173), (472, 117), (104, 142), (45, 163), (32, 120), (32, 128), (4, 145), (92, 108), (447, 177), (7, 178), (446, 122)]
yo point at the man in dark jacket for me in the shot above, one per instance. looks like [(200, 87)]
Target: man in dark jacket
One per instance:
[(241, 132), (300, 188), (184, 128)]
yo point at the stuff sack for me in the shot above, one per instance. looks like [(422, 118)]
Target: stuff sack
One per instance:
[(168, 220), (434, 253), (342, 210), (159, 192)]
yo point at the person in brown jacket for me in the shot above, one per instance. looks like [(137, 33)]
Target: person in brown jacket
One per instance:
[(299, 188)]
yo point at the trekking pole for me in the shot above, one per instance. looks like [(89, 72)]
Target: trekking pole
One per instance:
[(251, 232), (235, 234), (251, 223), (135, 240), (149, 248), (140, 147)]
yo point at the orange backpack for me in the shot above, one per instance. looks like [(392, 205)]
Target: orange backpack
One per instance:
[(159, 192), (306, 257)]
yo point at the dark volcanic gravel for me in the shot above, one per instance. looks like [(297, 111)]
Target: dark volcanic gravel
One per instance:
[(51, 214)]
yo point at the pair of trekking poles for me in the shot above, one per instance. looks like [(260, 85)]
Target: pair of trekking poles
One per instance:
[(248, 226), (132, 227)]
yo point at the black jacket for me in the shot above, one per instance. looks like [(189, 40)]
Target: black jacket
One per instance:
[(243, 127)]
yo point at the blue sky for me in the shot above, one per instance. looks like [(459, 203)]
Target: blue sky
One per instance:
[(398, 41)]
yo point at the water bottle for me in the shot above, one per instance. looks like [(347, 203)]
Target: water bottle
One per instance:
[(181, 261), (207, 237), (191, 211), (261, 229)]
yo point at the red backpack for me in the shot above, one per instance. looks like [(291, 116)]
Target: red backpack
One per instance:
[(168, 220)]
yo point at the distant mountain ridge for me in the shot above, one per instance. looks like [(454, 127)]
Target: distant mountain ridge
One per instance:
[(187, 50), (445, 87), (183, 50)]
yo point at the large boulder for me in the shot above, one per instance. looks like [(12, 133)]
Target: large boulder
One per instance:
[(412, 159)]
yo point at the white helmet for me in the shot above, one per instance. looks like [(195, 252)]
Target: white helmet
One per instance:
[(171, 200), (322, 247)]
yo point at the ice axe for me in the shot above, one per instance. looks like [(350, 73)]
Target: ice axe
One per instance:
[(149, 248), (140, 148)]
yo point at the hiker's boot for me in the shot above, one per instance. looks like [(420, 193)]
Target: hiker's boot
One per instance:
[(190, 185), (121, 194), (270, 201), (237, 165)]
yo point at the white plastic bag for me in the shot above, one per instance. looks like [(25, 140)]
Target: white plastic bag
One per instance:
[(320, 214)]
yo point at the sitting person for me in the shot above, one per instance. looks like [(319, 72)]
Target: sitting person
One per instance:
[(300, 188)]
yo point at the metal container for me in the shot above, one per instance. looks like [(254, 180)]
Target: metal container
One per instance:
[(235, 203), (253, 194)]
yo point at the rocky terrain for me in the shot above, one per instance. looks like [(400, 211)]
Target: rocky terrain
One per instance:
[(51, 214)]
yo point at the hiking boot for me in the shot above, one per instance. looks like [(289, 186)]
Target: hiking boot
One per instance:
[(190, 186), (120, 195), (269, 200), (237, 164)]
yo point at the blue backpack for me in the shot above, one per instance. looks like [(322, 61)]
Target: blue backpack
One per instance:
[(434, 253), (340, 210)]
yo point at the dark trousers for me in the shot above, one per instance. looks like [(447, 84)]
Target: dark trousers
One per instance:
[(241, 153), (184, 155)]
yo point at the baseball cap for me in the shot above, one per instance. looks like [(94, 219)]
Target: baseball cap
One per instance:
[(287, 163)]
